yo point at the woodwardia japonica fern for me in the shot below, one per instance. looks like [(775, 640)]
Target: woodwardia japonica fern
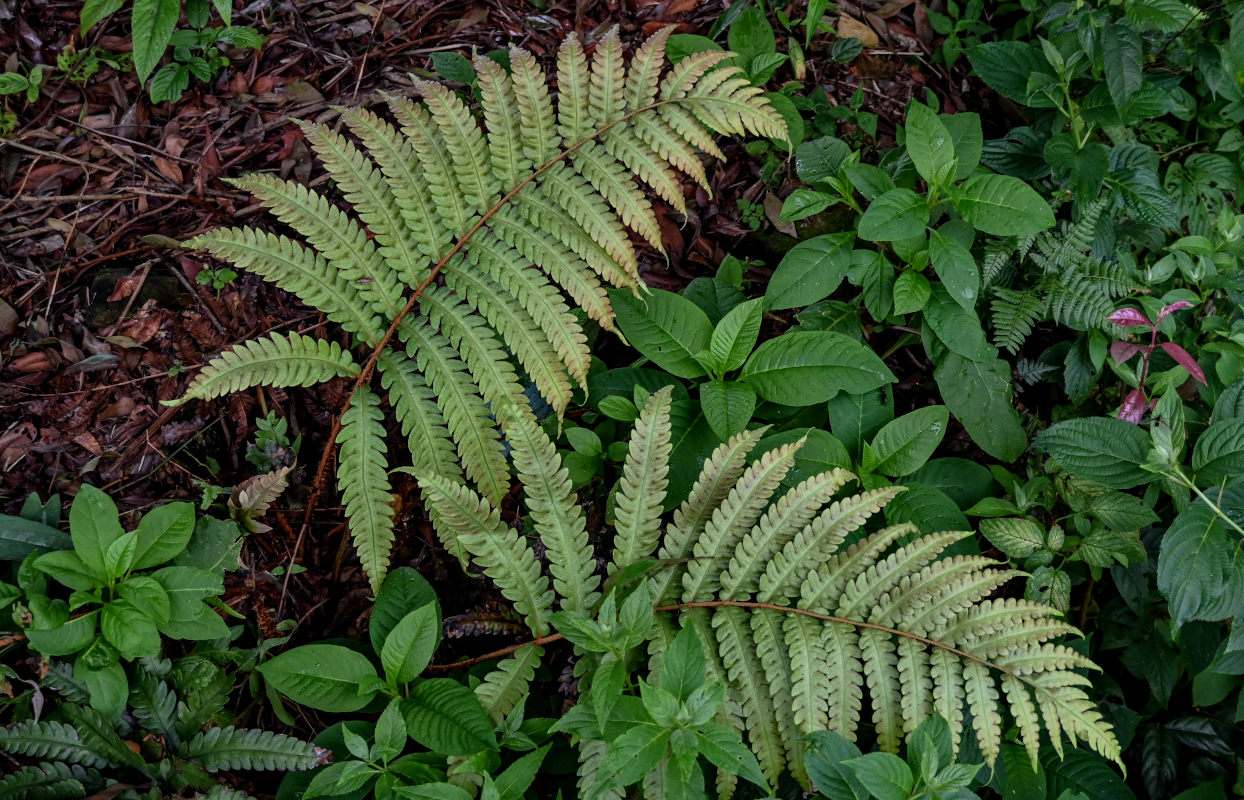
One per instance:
[(807, 610), (493, 228)]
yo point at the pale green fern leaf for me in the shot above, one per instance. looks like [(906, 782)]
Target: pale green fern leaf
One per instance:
[(455, 211), (770, 642), (611, 178), (641, 490), (471, 336), (299, 271), (423, 424), (574, 120), (554, 509), (644, 74), (465, 143), (48, 739), (747, 679), (607, 93), (1027, 718), (397, 160), (476, 528), (877, 652), (779, 525), (505, 146), (733, 518), (818, 540), (982, 698), (643, 162), (502, 688), (541, 141), (823, 587), (274, 360), (336, 236), (363, 478), (915, 681)]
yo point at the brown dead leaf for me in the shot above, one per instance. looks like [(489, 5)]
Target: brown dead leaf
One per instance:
[(90, 443), (37, 361), (851, 28), (168, 169), (8, 319), (126, 286), (122, 408), (773, 210)]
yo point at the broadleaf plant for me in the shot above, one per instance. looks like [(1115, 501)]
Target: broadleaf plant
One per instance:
[(807, 608), (462, 244)]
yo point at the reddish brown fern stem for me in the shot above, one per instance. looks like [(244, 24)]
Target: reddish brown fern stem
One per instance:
[(436, 669), (321, 470)]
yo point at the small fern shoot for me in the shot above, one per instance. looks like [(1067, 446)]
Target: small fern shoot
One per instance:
[(497, 229), (809, 610)]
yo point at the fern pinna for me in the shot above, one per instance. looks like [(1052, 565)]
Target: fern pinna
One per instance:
[(808, 611), (483, 233)]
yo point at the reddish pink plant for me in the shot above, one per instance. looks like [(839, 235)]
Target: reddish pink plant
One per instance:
[(1135, 404)]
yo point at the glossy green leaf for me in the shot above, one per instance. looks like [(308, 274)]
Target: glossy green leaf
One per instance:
[(163, 534), (801, 368), (1103, 449), (902, 446), (728, 406), (1002, 206), (321, 676), (929, 143), (665, 327), (957, 268), (897, 214), (408, 648), (151, 27), (810, 271), (735, 336), (446, 717)]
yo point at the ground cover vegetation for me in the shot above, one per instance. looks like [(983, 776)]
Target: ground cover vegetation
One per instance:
[(741, 400)]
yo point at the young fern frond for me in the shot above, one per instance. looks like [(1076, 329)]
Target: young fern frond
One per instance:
[(363, 477), (641, 491), (502, 224), (808, 613)]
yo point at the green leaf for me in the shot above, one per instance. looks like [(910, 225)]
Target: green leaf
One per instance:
[(929, 144), (148, 596), (403, 591), (1219, 453), (19, 537), (1007, 66), (803, 203), (956, 267), (409, 646), (728, 406), (1018, 538), (129, 630), (666, 328), (446, 717), (518, 777), (855, 418), (1200, 564), (965, 132), (95, 10), (630, 757), (683, 665), (751, 35), (884, 774), (1122, 512), (1122, 60), (120, 554), (902, 446), (735, 336), (1002, 206), (109, 687), (453, 67), (810, 271), (956, 327), (826, 760), (1103, 449), (94, 525), (67, 638), (978, 393), (321, 676), (801, 368), (911, 292), (67, 567), (897, 214), (724, 749), (151, 27), (163, 534)]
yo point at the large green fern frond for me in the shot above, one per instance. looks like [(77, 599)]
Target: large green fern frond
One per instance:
[(48, 780), (233, 748), (641, 490), (502, 224), (363, 477)]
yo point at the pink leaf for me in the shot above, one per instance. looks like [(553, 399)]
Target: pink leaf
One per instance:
[(1133, 407), (1122, 351), (1185, 360), (1172, 308), (1131, 318)]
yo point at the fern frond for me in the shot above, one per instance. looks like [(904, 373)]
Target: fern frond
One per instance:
[(540, 138), (363, 478), (607, 87), (396, 158), (502, 688), (467, 523), (982, 696), (554, 509), (154, 704), (747, 678), (731, 520), (815, 544), (1014, 314), (592, 753), (465, 143), (455, 211), (52, 740), (97, 734), (574, 121), (770, 642), (466, 414), (779, 525), (471, 336), (364, 188), (336, 236), (644, 73), (47, 781), (880, 659), (717, 477), (297, 270), (277, 359), (505, 148), (233, 748), (423, 424), (641, 489)]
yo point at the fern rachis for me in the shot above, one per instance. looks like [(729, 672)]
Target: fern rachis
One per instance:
[(807, 611), (466, 244)]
